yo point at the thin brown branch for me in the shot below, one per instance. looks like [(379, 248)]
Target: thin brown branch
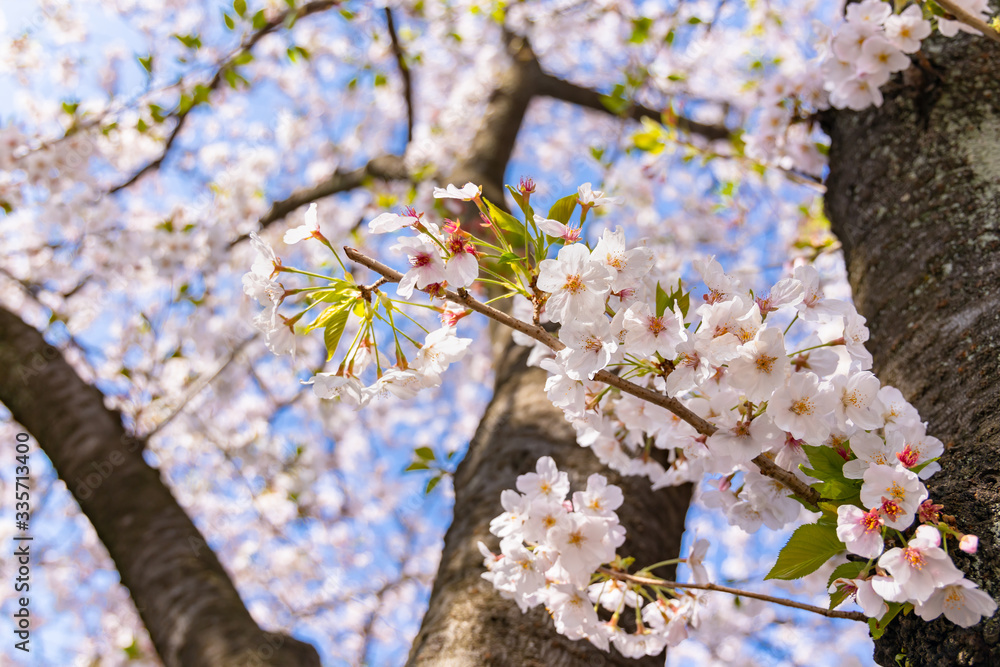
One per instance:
[(384, 167), (969, 19), (663, 583), (245, 46), (764, 464), (560, 89), (404, 71)]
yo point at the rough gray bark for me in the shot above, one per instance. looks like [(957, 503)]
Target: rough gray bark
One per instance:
[(188, 603), (914, 194)]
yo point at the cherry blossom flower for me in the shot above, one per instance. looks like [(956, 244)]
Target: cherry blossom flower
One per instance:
[(391, 222), (309, 230), (345, 387), (467, 192), (721, 286), (557, 229), (979, 8), (589, 197), (582, 548), (913, 447), (800, 407), (599, 499), (727, 325), (864, 594), (761, 366), (576, 284), (921, 566), (612, 594), (427, 266), (628, 266), (861, 531), (589, 346), (907, 29), (857, 400), (855, 335), (962, 603), (440, 349), (511, 522), (646, 334), (695, 561), (546, 481), (896, 490), (870, 450)]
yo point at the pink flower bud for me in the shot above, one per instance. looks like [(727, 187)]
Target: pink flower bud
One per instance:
[(969, 544)]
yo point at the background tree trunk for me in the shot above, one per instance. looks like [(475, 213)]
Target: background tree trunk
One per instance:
[(914, 196), (468, 623), (193, 612)]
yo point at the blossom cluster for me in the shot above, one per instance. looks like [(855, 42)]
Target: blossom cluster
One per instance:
[(549, 548), (874, 43), (868, 48), (777, 378)]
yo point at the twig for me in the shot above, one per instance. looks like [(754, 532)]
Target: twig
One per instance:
[(404, 71), (650, 581), (245, 47), (969, 19), (764, 464), (385, 167)]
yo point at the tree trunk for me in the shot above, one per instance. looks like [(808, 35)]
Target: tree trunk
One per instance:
[(189, 605), (468, 623), (914, 194)]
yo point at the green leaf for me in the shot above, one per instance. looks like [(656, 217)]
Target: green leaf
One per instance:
[(509, 258), (147, 63), (185, 103), (240, 6), (431, 483), (616, 102), (650, 142), (640, 30), (563, 209), (662, 300), (425, 453), (156, 112), (827, 464), (190, 41), (259, 20), (809, 547), (244, 58), (230, 23), (505, 220), (878, 626), (295, 52), (416, 465), (334, 330), (849, 570), (665, 302)]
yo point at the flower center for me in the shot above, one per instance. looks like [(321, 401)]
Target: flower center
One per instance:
[(574, 284), (803, 406), (914, 558), (765, 363)]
